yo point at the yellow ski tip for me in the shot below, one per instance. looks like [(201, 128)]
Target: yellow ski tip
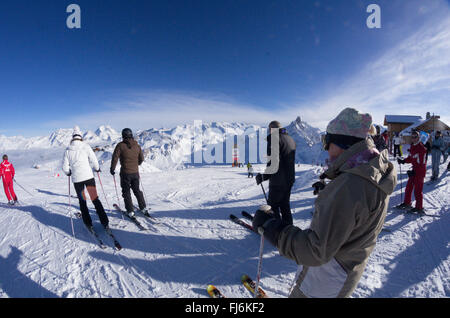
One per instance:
[(244, 278), (212, 291)]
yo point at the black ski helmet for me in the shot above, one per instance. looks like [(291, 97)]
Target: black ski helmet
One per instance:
[(127, 133)]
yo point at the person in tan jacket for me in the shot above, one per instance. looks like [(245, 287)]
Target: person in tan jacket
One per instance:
[(349, 212), (131, 157)]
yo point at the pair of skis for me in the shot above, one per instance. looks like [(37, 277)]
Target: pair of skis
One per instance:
[(238, 221), (248, 216), (102, 245), (134, 219), (245, 279), (109, 232), (409, 212), (97, 238), (248, 283)]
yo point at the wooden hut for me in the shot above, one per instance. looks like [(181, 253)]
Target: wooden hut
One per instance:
[(430, 125), (397, 123)]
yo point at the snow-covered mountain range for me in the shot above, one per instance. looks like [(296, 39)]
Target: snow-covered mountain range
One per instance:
[(183, 145)]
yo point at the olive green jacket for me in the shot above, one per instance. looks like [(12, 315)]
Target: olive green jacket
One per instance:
[(349, 215)]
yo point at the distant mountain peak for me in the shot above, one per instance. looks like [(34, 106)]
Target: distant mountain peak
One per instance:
[(173, 148)]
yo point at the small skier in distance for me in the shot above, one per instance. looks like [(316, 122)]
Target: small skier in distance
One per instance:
[(250, 170), (7, 172)]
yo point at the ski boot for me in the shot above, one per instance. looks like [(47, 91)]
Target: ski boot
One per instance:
[(145, 211), (418, 211), (404, 206)]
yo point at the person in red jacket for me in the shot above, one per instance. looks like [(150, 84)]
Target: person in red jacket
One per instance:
[(418, 159), (7, 172)]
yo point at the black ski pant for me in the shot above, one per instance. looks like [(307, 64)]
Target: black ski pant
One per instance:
[(131, 182), (397, 150), (279, 199), (79, 188)]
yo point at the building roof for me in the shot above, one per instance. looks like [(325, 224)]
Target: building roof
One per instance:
[(407, 131), (401, 119)]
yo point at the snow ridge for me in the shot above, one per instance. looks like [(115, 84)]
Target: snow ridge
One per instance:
[(179, 147)]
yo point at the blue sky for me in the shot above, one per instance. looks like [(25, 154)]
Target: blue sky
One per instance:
[(144, 64)]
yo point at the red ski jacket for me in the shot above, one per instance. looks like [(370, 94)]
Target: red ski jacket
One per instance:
[(418, 158), (7, 170)]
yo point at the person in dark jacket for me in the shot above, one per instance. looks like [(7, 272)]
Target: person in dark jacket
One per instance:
[(131, 157), (282, 179), (379, 140)]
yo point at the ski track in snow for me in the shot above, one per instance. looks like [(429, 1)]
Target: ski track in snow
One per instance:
[(195, 244)]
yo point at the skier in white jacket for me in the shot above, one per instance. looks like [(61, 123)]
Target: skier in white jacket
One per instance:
[(77, 162)]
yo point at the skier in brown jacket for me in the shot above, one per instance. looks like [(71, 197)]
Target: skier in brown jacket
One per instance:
[(349, 212), (131, 157)]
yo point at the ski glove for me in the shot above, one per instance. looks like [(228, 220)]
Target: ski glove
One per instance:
[(318, 186), (400, 161), (410, 173), (112, 171), (69, 174), (271, 225), (260, 178)]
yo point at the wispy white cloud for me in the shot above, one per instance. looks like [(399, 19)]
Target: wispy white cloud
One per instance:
[(164, 109)]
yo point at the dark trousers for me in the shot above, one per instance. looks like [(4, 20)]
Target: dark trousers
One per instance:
[(397, 150), (79, 187), (131, 182), (279, 200)]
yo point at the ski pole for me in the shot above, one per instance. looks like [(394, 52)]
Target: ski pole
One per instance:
[(70, 205), (22, 187), (261, 251), (106, 199), (264, 191), (401, 185), (143, 190), (117, 194)]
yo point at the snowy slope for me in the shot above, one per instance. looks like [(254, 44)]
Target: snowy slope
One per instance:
[(197, 245)]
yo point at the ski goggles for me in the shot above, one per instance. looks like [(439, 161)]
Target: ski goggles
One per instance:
[(326, 139), (342, 141)]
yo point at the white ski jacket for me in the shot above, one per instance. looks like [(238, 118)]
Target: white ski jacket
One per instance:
[(397, 141), (79, 158)]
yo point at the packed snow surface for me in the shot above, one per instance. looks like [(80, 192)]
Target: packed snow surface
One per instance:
[(195, 243)]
